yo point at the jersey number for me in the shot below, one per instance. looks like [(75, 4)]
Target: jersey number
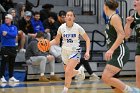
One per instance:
[(69, 41)]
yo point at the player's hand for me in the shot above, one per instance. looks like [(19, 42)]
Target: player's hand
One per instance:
[(108, 55), (4, 33), (86, 56), (129, 19), (47, 30)]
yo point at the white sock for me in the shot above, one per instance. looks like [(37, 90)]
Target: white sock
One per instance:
[(79, 72), (42, 74), (52, 73), (65, 89), (127, 89)]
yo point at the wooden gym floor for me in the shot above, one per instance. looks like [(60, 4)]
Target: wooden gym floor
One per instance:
[(86, 86)]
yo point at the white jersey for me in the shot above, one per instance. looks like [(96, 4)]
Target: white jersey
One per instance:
[(71, 40)]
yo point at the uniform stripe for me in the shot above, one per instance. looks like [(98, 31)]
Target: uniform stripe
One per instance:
[(118, 59), (122, 52), (122, 55), (74, 56)]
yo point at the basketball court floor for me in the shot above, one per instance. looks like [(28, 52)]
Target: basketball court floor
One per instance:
[(86, 86)]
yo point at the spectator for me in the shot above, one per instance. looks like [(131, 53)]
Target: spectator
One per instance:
[(13, 12), (26, 28), (61, 17), (25, 23), (61, 20), (36, 23), (34, 56), (51, 25), (8, 33), (20, 10), (38, 26), (45, 12)]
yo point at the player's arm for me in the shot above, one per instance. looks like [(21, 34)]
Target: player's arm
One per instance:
[(56, 41), (127, 27), (86, 38), (117, 24)]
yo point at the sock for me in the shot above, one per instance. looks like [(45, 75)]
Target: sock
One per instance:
[(16, 44), (127, 89), (65, 89), (79, 72), (52, 73), (42, 74), (93, 74)]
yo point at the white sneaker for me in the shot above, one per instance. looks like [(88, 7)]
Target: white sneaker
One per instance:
[(3, 80), (22, 50), (64, 91), (94, 77), (134, 90), (13, 84), (76, 77), (12, 79), (3, 84), (81, 76)]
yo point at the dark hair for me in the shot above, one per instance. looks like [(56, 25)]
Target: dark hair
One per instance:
[(71, 11), (62, 12), (112, 4), (39, 34), (36, 13)]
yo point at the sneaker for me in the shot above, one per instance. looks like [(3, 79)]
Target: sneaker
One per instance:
[(81, 76), (55, 78), (11, 84), (3, 84), (76, 77), (3, 80), (12, 79), (64, 91), (134, 90), (94, 77), (43, 79), (22, 50)]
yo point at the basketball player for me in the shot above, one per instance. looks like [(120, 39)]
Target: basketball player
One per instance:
[(134, 22), (71, 52), (118, 53)]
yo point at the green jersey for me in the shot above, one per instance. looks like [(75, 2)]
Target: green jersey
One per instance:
[(111, 34), (121, 54), (136, 26)]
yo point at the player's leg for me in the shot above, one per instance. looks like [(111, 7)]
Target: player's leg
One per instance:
[(116, 90), (137, 59), (69, 73), (108, 78)]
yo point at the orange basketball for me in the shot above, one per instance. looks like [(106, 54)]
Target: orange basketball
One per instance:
[(43, 45)]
